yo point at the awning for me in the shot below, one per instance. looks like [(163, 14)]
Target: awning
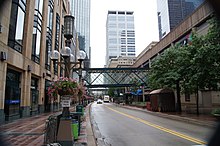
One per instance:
[(139, 92), (161, 91)]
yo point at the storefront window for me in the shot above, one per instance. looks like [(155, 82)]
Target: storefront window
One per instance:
[(12, 93), (47, 102), (34, 95)]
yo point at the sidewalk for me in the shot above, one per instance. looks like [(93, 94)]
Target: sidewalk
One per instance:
[(30, 131), (86, 137), (24, 132)]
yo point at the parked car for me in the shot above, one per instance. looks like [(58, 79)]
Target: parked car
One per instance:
[(99, 101)]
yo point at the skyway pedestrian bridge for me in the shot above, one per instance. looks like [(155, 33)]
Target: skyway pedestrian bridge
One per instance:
[(114, 77)]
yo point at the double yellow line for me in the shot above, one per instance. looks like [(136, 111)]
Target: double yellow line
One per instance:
[(197, 141)]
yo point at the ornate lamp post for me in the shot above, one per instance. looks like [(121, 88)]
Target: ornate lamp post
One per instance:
[(64, 132), (81, 56), (67, 54), (68, 57)]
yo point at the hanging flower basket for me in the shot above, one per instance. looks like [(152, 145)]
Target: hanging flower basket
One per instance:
[(70, 91), (63, 86)]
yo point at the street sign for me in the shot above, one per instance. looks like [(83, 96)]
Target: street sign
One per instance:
[(65, 101)]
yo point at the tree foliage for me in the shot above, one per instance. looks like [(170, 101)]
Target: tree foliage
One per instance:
[(195, 66), (111, 92)]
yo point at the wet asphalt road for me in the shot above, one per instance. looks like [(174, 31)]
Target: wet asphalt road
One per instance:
[(118, 126)]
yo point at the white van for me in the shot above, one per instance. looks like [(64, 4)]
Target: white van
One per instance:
[(106, 98)]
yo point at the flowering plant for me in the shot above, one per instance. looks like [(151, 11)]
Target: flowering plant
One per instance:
[(63, 86)]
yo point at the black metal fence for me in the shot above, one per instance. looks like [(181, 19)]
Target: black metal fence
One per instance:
[(51, 128)]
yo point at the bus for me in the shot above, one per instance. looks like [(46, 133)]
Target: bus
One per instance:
[(106, 98)]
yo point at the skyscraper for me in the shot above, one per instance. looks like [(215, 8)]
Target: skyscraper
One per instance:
[(120, 34), (80, 9), (172, 12)]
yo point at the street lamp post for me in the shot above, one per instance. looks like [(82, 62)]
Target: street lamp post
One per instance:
[(143, 96), (69, 59), (81, 57), (64, 132), (68, 55)]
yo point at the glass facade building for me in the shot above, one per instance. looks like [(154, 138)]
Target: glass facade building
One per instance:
[(80, 9), (172, 12), (120, 34)]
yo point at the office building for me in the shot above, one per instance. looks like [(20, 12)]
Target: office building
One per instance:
[(172, 12), (120, 35), (80, 9), (121, 62), (30, 30)]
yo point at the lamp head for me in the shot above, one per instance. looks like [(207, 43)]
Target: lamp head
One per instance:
[(68, 26), (72, 58), (65, 52), (81, 55), (54, 55)]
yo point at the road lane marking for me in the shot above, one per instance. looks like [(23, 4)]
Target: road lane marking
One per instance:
[(184, 136)]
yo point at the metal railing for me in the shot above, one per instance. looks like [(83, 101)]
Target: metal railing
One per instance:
[(51, 128)]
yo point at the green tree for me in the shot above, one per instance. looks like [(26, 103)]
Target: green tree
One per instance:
[(165, 72), (211, 52), (191, 67), (111, 92)]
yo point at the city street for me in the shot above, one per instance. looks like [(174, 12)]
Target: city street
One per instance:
[(109, 73), (120, 126)]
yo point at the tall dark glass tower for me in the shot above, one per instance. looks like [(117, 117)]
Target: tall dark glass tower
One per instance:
[(80, 9), (172, 12)]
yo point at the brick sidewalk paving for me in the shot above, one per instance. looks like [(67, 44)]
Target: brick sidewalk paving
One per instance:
[(30, 131), (25, 132)]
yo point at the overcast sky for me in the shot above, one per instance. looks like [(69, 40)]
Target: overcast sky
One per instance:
[(145, 18)]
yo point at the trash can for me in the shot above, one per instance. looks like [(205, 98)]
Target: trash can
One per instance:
[(79, 108), (75, 129), (77, 116)]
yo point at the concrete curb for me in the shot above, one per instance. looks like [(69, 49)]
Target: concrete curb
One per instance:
[(92, 142)]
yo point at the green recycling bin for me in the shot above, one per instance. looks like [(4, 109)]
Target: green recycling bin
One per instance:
[(77, 116), (75, 130), (80, 108)]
